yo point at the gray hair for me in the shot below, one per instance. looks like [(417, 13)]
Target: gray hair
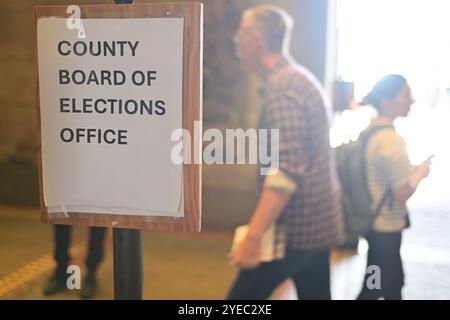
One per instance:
[(275, 24)]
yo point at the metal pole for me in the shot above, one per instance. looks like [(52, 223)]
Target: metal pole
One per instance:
[(128, 262)]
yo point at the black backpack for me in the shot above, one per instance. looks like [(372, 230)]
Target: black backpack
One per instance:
[(356, 197)]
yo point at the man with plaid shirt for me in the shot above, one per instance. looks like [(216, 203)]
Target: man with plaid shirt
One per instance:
[(302, 199)]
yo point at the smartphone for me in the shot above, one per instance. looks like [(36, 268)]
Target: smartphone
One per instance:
[(430, 158)]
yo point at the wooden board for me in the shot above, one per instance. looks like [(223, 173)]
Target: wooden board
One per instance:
[(192, 111)]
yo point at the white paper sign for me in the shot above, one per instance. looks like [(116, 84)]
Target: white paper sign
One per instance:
[(109, 104)]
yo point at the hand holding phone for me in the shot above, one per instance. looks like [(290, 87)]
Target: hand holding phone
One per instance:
[(429, 158), (424, 169)]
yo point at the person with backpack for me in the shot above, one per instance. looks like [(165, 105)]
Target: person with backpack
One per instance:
[(390, 181)]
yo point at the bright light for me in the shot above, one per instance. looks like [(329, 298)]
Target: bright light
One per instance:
[(409, 37)]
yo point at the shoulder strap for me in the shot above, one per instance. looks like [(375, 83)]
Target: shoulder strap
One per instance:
[(387, 194), (366, 136), (371, 131)]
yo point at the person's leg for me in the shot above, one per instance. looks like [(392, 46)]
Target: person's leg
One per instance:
[(385, 255), (313, 281), (392, 271), (62, 234), (96, 247), (259, 283), (95, 255), (374, 257), (61, 239)]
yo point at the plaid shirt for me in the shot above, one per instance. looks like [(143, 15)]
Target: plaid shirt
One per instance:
[(295, 104)]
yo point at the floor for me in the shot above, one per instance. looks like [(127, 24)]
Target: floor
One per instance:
[(181, 266)]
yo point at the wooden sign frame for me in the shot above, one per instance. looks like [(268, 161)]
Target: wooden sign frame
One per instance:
[(192, 112)]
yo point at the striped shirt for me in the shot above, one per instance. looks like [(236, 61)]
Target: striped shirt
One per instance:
[(296, 105), (388, 165)]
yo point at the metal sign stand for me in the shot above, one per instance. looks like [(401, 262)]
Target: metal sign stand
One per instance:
[(128, 261), (127, 243), (128, 264)]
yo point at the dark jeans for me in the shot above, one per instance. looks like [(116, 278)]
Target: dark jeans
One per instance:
[(62, 236), (384, 252), (310, 271)]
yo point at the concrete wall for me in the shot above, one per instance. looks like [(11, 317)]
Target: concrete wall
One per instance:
[(230, 100)]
